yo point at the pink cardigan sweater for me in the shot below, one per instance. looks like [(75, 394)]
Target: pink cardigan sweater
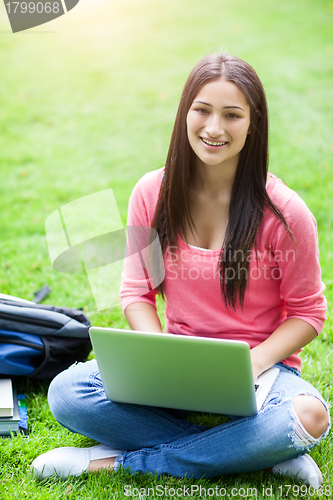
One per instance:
[(284, 282)]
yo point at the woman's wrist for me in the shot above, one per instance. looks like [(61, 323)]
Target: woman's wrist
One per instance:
[(259, 364)]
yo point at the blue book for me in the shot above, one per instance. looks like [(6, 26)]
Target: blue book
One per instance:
[(23, 423)]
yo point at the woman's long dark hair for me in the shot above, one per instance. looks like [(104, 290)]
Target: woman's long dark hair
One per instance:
[(248, 197)]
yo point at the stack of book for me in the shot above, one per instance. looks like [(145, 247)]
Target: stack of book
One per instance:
[(9, 408)]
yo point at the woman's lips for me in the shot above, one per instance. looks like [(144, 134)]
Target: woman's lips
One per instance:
[(213, 144)]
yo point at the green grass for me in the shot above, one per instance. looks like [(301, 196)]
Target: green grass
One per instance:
[(91, 106)]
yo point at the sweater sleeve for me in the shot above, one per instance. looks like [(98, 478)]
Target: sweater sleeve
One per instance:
[(135, 283), (298, 261)]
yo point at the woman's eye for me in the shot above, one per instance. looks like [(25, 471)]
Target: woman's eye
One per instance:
[(201, 111), (232, 115)]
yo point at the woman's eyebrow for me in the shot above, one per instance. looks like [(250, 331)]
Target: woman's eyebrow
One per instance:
[(225, 107), (237, 107), (202, 102)]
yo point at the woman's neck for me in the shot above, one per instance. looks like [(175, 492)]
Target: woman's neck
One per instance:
[(214, 180)]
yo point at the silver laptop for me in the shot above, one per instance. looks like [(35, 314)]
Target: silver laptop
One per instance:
[(179, 371)]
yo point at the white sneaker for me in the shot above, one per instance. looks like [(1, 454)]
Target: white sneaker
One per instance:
[(303, 469), (70, 461)]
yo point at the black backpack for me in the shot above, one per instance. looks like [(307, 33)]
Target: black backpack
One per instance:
[(40, 341)]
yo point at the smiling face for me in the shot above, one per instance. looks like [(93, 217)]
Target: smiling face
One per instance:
[(218, 123)]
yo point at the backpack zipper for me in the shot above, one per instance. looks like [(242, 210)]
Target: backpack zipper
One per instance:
[(24, 343), (28, 321)]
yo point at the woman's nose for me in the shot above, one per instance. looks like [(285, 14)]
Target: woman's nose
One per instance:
[(214, 127)]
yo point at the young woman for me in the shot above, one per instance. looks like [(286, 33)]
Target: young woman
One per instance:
[(241, 262)]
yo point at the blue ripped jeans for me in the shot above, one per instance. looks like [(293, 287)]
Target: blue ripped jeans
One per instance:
[(159, 441)]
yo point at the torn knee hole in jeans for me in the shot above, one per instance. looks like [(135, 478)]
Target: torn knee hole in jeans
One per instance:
[(299, 436)]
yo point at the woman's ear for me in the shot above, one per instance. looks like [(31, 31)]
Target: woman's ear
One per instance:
[(249, 130)]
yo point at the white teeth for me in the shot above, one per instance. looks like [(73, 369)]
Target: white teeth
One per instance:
[(213, 143)]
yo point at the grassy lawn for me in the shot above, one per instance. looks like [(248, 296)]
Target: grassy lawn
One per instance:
[(87, 102)]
